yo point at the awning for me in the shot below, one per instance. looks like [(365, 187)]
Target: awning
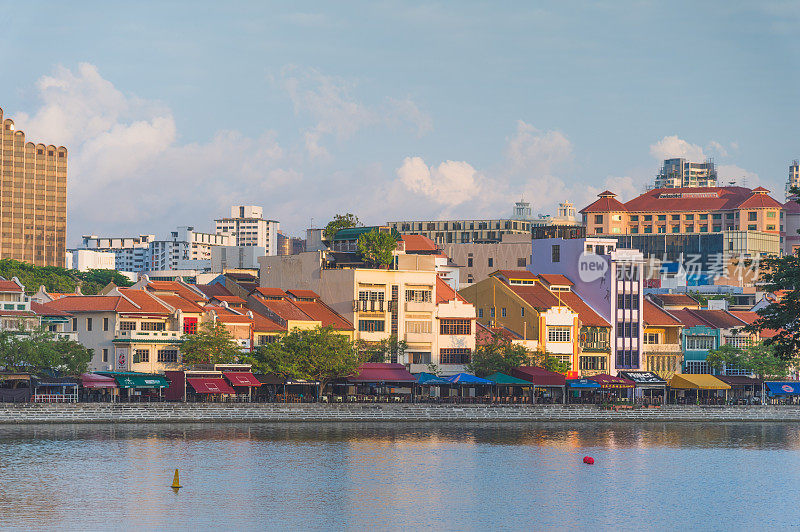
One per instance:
[(583, 384), (270, 378), (210, 385), (609, 382), (15, 376), (241, 378), (466, 378), (93, 380), (644, 379), (539, 376), (783, 388), (382, 372), (431, 379), (738, 381), (141, 381), (695, 381), (507, 380)]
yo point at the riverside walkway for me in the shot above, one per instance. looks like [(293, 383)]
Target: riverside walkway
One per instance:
[(275, 412)]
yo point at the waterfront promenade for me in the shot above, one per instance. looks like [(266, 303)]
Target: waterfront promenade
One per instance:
[(271, 412)]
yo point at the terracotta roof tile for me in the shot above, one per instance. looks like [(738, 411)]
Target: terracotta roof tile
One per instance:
[(180, 303), (9, 286), (270, 292), (516, 274), (318, 311), (655, 315), (262, 323), (285, 309), (556, 279), (697, 199), (418, 243), (212, 290), (444, 293), (43, 310), (606, 203), (176, 287), (304, 294), (586, 314), (144, 301)]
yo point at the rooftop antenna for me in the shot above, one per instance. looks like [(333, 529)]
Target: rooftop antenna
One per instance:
[(744, 181)]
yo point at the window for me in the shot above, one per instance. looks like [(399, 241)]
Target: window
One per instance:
[(521, 263), (675, 217), (770, 227), (420, 358), (503, 312), (752, 216), (480, 312), (189, 325), (739, 341), (469, 262), (74, 324), (598, 218), (265, 339), (697, 367), (457, 355), (88, 324), (105, 324), (634, 217), (689, 217), (105, 355), (556, 253), (592, 363), (648, 217), (470, 278), (770, 214), (141, 355), (491, 312), (559, 333), (371, 325), (662, 217), (418, 327), (676, 228), (699, 342), (153, 326), (168, 355), (459, 327), (704, 216), (522, 311), (491, 262), (651, 338), (127, 326), (418, 296), (751, 227)]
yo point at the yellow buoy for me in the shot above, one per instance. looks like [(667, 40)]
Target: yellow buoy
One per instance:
[(176, 483)]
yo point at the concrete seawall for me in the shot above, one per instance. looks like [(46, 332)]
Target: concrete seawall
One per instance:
[(222, 413)]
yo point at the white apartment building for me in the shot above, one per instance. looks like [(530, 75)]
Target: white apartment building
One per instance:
[(84, 260), (130, 253), (185, 249), (235, 258), (680, 173), (794, 178), (248, 227)]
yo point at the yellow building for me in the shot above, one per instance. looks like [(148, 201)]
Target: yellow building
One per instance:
[(662, 341), (33, 199)]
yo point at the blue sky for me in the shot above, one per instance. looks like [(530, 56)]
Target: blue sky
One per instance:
[(172, 111)]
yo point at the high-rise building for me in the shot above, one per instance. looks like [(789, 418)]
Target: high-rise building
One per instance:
[(33, 199), (678, 173), (794, 178), (248, 225)]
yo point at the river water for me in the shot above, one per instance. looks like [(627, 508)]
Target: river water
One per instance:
[(401, 476)]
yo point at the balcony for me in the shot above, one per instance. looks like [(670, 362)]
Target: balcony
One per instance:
[(169, 337), (662, 348), (419, 306)]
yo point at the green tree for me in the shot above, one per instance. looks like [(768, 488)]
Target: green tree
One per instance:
[(385, 350), (498, 355), (319, 354), (761, 359), (781, 274), (376, 247), (725, 356), (340, 221), (93, 281), (211, 344), (41, 351), (56, 279)]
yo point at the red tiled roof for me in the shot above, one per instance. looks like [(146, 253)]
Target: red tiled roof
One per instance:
[(483, 334), (791, 207), (535, 295), (606, 203), (419, 243), (586, 314), (655, 315), (92, 304), (262, 323), (176, 287), (688, 319), (285, 309), (555, 279), (321, 312), (444, 293), (213, 290), (270, 292), (43, 310), (717, 319), (516, 274), (304, 294), (749, 317), (57, 295), (760, 201), (225, 315), (9, 286), (698, 199), (177, 302), (230, 299), (146, 302), (23, 313)]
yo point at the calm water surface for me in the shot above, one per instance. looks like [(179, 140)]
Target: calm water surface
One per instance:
[(397, 476)]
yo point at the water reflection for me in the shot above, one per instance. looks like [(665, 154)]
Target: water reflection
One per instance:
[(388, 476)]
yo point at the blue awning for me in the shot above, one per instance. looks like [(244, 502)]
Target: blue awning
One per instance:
[(466, 378), (783, 388), (431, 379), (585, 384)]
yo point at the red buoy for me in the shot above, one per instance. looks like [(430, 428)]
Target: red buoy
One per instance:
[(588, 460)]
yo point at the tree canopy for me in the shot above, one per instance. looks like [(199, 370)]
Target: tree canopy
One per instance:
[(761, 359), (211, 344), (376, 247), (56, 279), (385, 350), (41, 351), (498, 355), (341, 221), (781, 274), (319, 354)]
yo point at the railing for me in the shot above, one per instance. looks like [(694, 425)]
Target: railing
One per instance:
[(175, 336), (371, 305), (662, 348), (56, 398)]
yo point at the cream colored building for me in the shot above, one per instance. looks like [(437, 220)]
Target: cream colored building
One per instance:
[(381, 303), (33, 198)]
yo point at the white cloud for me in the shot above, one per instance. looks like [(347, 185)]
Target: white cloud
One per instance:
[(672, 147), (717, 148), (535, 152), (450, 184), (744, 178)]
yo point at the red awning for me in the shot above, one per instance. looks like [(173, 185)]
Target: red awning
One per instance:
[(539, 376), (382, 372), (241, 378), (210, 385), (609, 381), (92, 380)]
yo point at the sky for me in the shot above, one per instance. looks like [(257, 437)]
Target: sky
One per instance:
[(174, 111)]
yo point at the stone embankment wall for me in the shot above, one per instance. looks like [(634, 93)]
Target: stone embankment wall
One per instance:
[(221, 413)]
